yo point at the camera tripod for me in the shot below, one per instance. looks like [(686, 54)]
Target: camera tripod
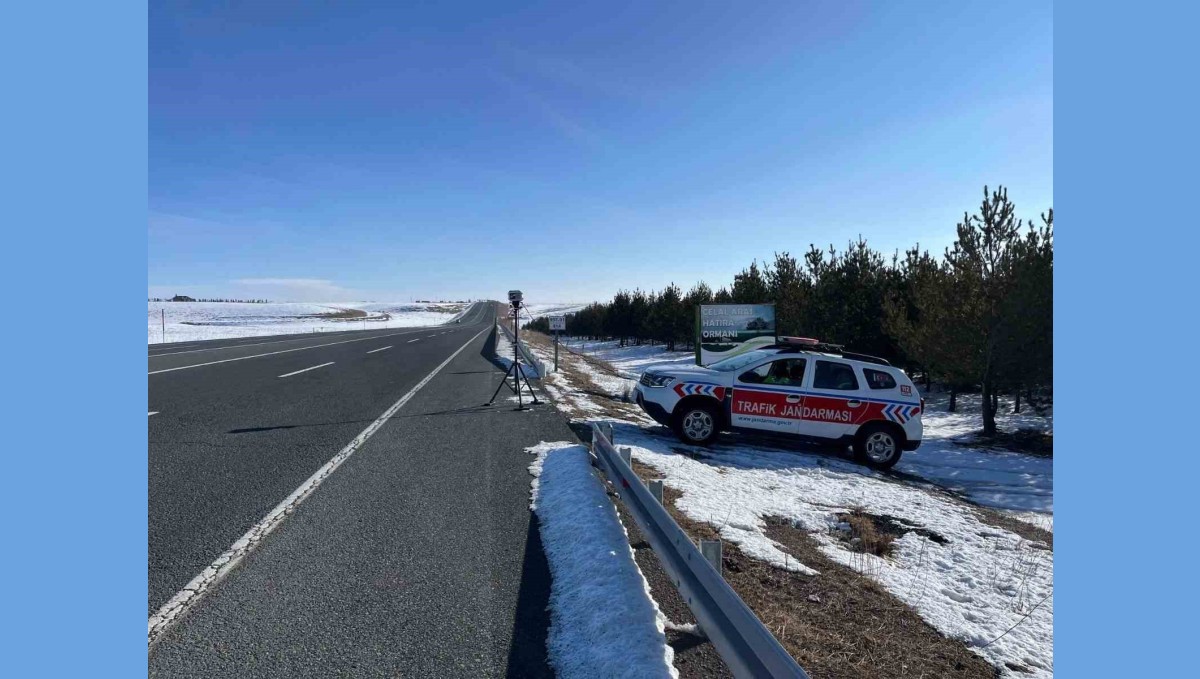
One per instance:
[(515, 369)]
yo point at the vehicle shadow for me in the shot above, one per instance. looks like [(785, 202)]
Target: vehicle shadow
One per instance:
[(749, 451)]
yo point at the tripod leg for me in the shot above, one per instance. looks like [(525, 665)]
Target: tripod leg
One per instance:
[(503, 383), (532, 393)]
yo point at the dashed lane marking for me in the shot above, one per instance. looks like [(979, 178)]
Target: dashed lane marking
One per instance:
[(307, 369)]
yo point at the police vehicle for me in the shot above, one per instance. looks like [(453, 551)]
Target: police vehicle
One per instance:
[(800, 388)]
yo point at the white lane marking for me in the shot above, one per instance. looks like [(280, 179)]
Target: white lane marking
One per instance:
[(380, 349), (416, 340), (228, 560), (256, 344), (272, 353), (307, 369), (152, 412)]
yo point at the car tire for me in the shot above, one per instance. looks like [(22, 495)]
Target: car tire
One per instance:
[(697, 424), (878, 445)]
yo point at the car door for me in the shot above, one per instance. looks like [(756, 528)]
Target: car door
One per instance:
[(769, 397), (831, 403)]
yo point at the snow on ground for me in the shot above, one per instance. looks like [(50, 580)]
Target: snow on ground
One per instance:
[(188, 321), (549, 309), (982, 581), (968, 579), (1017, 483), (505, 353), (631, 361), (628, 362), (1020, 484), (603, 621)]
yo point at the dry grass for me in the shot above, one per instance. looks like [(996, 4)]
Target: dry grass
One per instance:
[(839, 624), (339, 315), (616, 407), (866, 533)]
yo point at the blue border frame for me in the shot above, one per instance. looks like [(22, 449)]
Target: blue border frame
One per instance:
[(1125, 477), (74, 500)]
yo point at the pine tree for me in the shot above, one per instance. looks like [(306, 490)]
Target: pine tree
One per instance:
[(790, 290), (750, 286), (981, 263)]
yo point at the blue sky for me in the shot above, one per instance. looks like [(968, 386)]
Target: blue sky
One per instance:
[(351, 151)]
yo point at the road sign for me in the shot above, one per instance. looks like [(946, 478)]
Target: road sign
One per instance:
[(558, 322), (724, 330)]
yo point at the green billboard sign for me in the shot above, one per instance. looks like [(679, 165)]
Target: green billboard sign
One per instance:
[(724, 330)]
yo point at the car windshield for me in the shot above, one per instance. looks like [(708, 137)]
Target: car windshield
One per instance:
[(741, 361)]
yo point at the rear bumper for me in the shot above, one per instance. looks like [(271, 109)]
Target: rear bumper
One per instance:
[(911, 445)]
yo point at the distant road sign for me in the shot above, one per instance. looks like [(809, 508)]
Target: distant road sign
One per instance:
[(558, 322)]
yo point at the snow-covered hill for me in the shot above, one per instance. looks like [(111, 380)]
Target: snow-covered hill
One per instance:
[(188, 321)]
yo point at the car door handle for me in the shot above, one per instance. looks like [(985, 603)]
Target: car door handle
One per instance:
[(793, 398), (853, 403)]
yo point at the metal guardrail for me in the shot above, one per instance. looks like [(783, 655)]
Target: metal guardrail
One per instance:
[(525, 352), (744, 643)]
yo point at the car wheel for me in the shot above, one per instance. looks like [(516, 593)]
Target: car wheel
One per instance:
[(697, 424), (877, 445)]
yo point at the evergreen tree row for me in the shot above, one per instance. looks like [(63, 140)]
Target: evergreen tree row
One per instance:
[(977, 317)]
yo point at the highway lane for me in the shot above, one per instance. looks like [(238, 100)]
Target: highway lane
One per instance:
[(170, 357), (352, 328), (228, 441), (417, 557)]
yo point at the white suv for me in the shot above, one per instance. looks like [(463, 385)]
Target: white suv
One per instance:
[(798, 387)]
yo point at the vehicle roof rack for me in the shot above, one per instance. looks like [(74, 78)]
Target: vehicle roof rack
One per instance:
[(865, 358), (793, 345)]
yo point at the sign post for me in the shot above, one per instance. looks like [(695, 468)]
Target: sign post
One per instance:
[(557, 325)]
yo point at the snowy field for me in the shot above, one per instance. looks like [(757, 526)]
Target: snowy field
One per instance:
[(1014, 482), (189, 321), (627, 362), (1020, 484), (529, 311), (970, 580)]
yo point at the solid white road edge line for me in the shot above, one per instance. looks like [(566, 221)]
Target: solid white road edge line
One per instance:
[(272, 353), (228, 560), (380, 349), (307, 369)]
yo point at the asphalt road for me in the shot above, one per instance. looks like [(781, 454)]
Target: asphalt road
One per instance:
[(417, 557)]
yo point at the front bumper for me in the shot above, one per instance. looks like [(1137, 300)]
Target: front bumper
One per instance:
[(654, 410)]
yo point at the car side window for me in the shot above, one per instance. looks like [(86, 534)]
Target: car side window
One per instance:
[(832, 375), (787, 372), (877, 379)]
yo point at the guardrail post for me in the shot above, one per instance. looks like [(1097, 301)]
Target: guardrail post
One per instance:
[(711, 549), (627, 456), (656, 489), (606, 429)]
